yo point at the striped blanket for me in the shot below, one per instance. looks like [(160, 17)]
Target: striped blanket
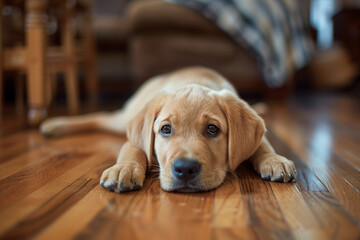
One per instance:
[(273, 30)]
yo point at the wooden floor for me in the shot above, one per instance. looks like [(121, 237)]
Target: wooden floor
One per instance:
[(49, 187)]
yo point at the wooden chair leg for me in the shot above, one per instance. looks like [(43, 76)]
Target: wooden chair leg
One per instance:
[(92, 83), (72, 89), (71, 68), (20, 88), (36, 46), (1, 73), (1, 99), (90, 55)]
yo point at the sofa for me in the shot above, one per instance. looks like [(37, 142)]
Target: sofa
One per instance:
[(165, 37)]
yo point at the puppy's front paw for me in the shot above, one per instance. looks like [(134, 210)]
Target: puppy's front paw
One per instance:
[(274, 167), (123, 178)]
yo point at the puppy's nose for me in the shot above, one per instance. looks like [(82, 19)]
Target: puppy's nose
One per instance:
[(186, 169)]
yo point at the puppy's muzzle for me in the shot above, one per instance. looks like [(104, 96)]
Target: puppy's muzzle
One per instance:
[(186, 170)]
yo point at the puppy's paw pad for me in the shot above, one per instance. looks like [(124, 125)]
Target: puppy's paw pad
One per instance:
[(120, 178), (277, 169)]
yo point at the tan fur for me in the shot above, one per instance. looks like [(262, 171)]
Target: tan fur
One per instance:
[(188, 100)]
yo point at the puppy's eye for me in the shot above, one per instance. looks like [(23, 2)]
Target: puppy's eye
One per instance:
[(212, 130), (166, 131)]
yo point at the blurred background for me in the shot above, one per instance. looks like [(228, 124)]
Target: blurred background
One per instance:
[(70, 57)]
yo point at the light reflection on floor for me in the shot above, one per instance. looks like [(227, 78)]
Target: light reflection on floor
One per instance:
[(321, 144)]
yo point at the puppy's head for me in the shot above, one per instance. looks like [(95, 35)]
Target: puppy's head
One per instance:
[(197, 135)]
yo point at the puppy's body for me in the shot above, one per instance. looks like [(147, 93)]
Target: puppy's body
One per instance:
[(189, 122)]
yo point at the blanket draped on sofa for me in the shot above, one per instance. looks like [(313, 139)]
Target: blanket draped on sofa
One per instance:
[(273, 30)]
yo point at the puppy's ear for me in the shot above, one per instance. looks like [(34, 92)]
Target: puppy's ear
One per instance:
[(245, 128), (140, 130)]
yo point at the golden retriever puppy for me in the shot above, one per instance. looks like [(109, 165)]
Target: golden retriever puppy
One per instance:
[(190, 123)]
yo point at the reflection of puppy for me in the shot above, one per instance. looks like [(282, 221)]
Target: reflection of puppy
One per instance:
[(192, 124)]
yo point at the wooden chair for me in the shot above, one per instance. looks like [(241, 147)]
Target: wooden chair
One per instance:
[(41, 63)]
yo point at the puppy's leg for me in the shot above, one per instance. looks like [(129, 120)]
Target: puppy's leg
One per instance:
[(129, 171), (59, 126), (272, 166)]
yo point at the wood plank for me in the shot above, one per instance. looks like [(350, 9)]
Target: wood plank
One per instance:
[(16, 144), (339, 135), (229, 208), (37, 156), (110, 222), (29, 179), (343, 117), (38, 173), (350, 153), (82, 213), (149, 213), (57, 205), (318, 156), (259, 199), (22, 209), (40, 152), (303, 213)]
